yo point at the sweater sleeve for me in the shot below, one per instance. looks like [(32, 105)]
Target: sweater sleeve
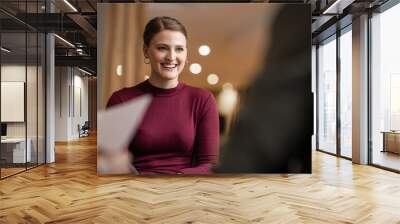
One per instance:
[(206, 147), (113, 100)]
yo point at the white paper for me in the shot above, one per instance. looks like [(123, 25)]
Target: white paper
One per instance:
[(118, 124)]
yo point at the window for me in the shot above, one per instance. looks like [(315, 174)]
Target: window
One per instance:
[(346, 92), (385, 88), (327, 95)]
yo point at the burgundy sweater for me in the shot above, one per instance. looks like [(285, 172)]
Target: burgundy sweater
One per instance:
[(179, 132)]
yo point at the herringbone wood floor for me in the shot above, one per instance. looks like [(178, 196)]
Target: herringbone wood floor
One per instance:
[(70, 191)]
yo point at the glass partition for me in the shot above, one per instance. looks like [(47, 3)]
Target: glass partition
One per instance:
[(327, 95), (14, 151), (31, 100), (22, 88)]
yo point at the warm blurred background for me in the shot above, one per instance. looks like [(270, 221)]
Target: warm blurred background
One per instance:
[(226, 45)]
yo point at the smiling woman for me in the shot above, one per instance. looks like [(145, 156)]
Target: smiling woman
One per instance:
[(167, 55), (179, 133)]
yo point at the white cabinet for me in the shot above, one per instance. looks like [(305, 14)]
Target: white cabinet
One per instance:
[(17, 146)]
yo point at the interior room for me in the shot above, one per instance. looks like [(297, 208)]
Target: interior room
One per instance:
[(22, 99)]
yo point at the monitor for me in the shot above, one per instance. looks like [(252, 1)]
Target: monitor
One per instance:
[(3, 129)]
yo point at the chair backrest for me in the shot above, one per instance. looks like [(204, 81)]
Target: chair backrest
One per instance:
[(86, 125)]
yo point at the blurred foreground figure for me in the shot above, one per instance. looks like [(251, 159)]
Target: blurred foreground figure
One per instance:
[(273, 131)]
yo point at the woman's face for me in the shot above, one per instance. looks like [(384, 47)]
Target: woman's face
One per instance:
[(167, 53)]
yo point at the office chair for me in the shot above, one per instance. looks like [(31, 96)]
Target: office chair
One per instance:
[(84, 130)]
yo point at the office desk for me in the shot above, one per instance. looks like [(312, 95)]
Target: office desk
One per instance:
[(13, 150), (391, 141)]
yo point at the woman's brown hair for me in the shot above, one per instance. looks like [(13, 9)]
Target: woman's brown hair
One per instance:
[(159, 24)]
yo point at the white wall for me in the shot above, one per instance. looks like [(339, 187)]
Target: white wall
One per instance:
[(62, 81), (80, 84), (70, 83), (33, 126), (12, 73)]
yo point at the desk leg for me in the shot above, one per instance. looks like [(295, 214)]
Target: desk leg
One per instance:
[(384, 142)]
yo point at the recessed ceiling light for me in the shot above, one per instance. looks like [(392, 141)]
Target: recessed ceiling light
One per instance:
[(212, 79), (204, 50), (195, 68)]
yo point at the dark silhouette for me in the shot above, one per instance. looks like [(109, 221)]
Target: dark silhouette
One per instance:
[(274, 127)]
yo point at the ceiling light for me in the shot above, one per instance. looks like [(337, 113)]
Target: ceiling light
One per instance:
[(5, 50), (204, 50), (64, 40), (337, 7), (212, 79), (119, 70), (84, 71), (195, 68), (70, 5)]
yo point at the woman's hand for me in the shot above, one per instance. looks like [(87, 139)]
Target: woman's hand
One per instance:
[(117, 162)]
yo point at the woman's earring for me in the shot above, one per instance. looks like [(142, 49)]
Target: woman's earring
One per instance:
[(147, 62)]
